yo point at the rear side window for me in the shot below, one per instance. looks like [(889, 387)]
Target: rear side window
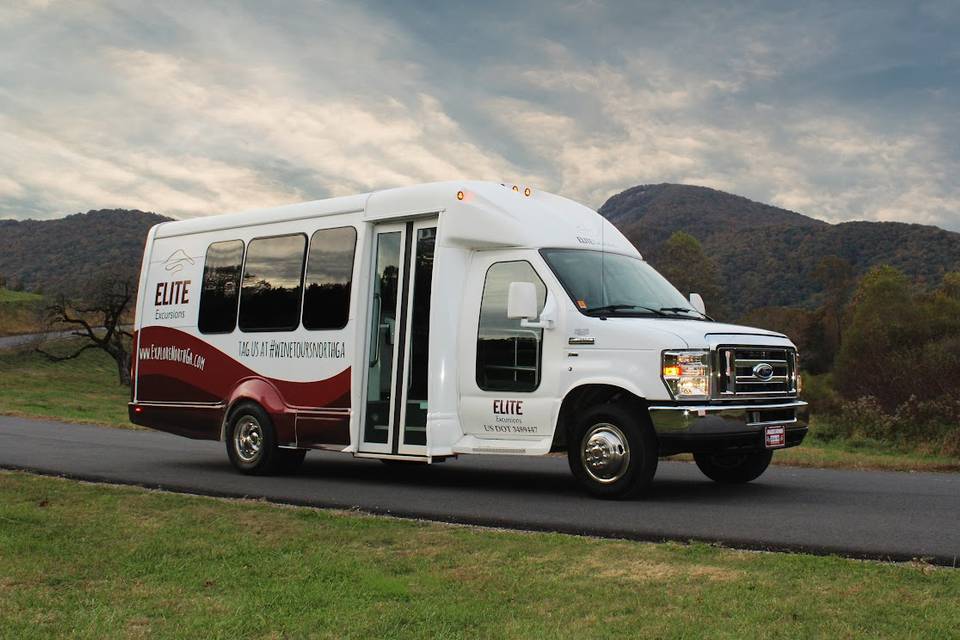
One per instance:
[(221, 286), (272, 283), (326, 301), (508, 355)]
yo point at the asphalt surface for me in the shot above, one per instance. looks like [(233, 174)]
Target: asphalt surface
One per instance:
[(11, 342), (22, 339), (881, 515)]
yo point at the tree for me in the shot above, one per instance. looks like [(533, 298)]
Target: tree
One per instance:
[(836, 278), (98, 320), (951, 285), (682, 261)]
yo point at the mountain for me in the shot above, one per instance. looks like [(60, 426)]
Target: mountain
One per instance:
[(61, 255), (767, 255)]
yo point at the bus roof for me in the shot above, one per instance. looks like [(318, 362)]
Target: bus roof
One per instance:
[(489, 214)]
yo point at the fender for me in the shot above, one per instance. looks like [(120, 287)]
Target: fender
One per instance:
[(267, 396), (606, 381)]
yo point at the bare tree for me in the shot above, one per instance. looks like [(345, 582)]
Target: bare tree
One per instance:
[(98, 319)]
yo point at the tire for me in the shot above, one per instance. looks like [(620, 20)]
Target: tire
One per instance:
[(604, 436), (252, 443), (733, 468)]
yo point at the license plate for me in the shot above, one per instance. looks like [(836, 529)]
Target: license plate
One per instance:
[(774, 437)]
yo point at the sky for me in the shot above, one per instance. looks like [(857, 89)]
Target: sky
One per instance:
[(839, 110)]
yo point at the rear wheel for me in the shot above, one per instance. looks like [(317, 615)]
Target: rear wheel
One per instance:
[(252, 443), (613, 453), (733, 468)]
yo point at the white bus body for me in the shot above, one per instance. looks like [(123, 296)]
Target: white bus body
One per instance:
[(379, 325)]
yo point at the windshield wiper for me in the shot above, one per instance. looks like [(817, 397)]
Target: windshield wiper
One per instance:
[(604, 310), (685, 310)]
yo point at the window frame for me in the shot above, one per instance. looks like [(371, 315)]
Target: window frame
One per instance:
[(353, 273), (303, 263), (236, 306), (476, 350)]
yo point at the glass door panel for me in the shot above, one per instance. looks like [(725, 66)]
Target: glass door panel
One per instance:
[(414, 418), (385, 311)]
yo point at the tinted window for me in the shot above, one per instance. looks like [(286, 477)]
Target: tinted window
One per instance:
[(221, 285), (326, 301), (272, 283), (508, 356)]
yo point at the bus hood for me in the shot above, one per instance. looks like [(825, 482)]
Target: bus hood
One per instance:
[(698, 334), (690, 334)]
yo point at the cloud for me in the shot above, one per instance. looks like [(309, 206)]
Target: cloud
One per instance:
[(194, 109)]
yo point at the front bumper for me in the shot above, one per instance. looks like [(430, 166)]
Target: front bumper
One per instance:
[(716, 427)]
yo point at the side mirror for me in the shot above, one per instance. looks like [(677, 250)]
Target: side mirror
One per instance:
[(522, 301), (696, 301)]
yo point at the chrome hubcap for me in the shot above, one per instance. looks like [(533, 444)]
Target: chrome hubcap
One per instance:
[(605, 453), (248, 438)]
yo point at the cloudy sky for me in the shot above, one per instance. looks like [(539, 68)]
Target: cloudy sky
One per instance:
[(838, 110)]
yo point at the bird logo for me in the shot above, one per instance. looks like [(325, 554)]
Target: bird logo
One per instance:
[(177, 260)]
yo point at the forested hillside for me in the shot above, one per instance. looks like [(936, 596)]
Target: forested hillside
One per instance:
[(61, 255), (768, 256)]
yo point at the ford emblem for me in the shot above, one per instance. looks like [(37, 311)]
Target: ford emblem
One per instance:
[(763, 371)]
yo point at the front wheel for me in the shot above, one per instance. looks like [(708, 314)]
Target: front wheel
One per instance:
[(733, 468), (613, 453)]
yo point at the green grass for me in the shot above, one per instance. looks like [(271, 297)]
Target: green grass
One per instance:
[(85, 389), (862, 454), (6, 295), (19, 312), (92, 561)]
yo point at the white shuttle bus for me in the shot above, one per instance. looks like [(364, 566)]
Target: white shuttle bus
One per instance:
[(422, 323)]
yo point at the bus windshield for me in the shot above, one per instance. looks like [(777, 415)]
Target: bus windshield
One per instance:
[(627, 286)]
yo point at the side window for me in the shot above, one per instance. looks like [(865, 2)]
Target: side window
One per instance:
[(508, 356), (221, 287), (272, 283), (326, 300)]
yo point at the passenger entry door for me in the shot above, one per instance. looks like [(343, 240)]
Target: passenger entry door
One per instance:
[(394, 418)]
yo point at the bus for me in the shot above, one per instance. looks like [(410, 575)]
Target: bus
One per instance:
[(427, 322)]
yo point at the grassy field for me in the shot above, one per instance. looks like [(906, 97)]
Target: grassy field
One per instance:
[(93, 561), (86, 390), (19, 312), (81, 390), (6, 295)]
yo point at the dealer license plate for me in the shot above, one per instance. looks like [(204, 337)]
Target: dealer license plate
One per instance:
[(774, 437)]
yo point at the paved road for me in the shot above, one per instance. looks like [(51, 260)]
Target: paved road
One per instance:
[(862, 514), (9, 342)]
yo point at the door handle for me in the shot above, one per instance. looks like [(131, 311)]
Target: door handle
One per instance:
[(375, 329)]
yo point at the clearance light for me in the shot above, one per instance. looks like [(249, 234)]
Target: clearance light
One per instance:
[(687, 374), (516, 188), (527, 192), (138, 409), (459, 195)]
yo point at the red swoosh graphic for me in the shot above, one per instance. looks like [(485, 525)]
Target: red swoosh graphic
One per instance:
[(174, 381)]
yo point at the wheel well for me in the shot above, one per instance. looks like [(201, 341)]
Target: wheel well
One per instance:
[(586, 396), (228, 413)]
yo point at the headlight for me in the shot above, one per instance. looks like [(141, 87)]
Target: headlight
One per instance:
[(687, 374)]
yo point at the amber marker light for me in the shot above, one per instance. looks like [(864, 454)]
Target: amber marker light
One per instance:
[(671, 372), (459, 195), (526, 191), (516, 188)]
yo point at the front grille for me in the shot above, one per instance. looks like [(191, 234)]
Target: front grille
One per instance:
[(759, 372)]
